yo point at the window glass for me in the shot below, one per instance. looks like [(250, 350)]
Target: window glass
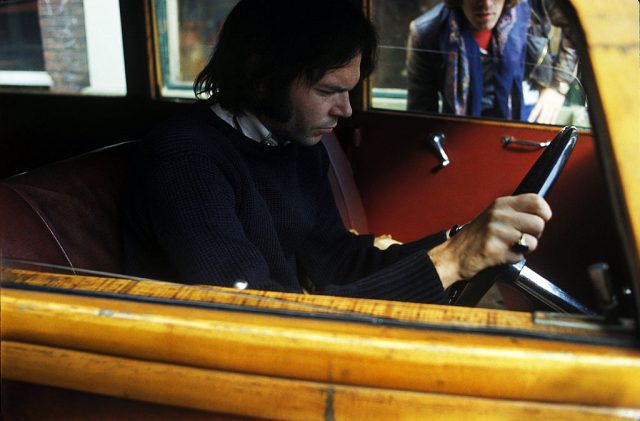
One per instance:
[(65, 46), (428, 65), (187, 32)]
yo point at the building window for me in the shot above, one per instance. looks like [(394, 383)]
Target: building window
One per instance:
[(66, 46), (187, 33)]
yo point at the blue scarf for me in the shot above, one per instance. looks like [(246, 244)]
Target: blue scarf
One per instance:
[(463, 81)]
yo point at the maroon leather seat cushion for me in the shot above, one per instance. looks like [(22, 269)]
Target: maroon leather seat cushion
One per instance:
[(343, 186), (66, 213)]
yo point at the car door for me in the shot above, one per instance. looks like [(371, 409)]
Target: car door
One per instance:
[(408, 193)]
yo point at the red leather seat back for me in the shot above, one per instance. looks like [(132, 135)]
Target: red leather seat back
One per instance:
[(66, 213), (343, 184)]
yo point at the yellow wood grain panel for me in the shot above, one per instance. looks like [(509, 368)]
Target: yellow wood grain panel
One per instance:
[(435, 315), (329, 351), (612, 32), (260, 396)]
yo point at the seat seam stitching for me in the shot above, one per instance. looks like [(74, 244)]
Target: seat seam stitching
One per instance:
[(46, 224)]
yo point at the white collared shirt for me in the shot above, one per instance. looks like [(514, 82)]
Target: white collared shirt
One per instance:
[(248, 124)]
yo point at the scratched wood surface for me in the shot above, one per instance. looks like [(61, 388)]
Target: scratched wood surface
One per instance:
[(267, 397), (433, 315), (308, 349), (612, 32)]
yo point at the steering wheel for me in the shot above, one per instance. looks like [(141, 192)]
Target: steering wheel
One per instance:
[(540, 179)]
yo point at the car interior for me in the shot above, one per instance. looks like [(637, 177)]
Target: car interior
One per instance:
[(81, 81), (396, 174)]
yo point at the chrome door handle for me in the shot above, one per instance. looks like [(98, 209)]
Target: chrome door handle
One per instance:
[(435, 141), (510, 140)]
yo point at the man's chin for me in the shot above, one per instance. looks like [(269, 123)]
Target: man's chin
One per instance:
[(309, 140)]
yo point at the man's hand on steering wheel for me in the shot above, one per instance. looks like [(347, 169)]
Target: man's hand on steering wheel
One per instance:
[(491, 238)]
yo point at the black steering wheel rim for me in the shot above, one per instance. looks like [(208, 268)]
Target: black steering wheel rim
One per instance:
[(540, 179)]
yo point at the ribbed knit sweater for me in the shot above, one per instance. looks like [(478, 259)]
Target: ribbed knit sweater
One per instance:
[(207, 205)]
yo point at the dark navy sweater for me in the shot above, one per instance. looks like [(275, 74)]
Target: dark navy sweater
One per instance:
[(207, 205)]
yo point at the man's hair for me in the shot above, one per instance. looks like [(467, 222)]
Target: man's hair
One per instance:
[(265, 45), (454, 4)]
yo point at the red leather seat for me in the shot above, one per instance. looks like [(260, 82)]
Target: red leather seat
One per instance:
[(66, 213), (345, 190)]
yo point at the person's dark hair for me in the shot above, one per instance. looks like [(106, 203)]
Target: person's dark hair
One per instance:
[(265, 45), (453, 4)]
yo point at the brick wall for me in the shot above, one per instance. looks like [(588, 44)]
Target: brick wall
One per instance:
[(64, 44)]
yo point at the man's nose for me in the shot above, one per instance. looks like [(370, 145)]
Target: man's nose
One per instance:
[(342, 107)]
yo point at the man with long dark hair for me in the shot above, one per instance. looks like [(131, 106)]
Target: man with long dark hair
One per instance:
[(236, 193)]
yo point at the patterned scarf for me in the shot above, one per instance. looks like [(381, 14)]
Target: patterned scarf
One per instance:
[(463, 77)]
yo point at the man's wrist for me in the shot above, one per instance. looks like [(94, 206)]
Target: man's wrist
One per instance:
[(445, 263)]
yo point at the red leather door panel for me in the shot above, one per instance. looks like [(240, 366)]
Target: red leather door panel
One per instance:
[(405, 195)]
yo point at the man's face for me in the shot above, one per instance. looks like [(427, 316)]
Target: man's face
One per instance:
[(482, 14), (315, 109)]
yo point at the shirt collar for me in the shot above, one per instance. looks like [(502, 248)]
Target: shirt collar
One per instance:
[(248, 124)]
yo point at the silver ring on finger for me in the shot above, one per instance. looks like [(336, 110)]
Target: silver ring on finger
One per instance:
[(520, 246)]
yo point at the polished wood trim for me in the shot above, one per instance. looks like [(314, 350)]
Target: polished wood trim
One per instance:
[(366, 310), (358, 354), (260, 396), (154, 48), (610, 30), (30, 401), (137, 47)]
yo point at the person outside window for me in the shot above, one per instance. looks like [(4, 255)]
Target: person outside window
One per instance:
[(471, 57)]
